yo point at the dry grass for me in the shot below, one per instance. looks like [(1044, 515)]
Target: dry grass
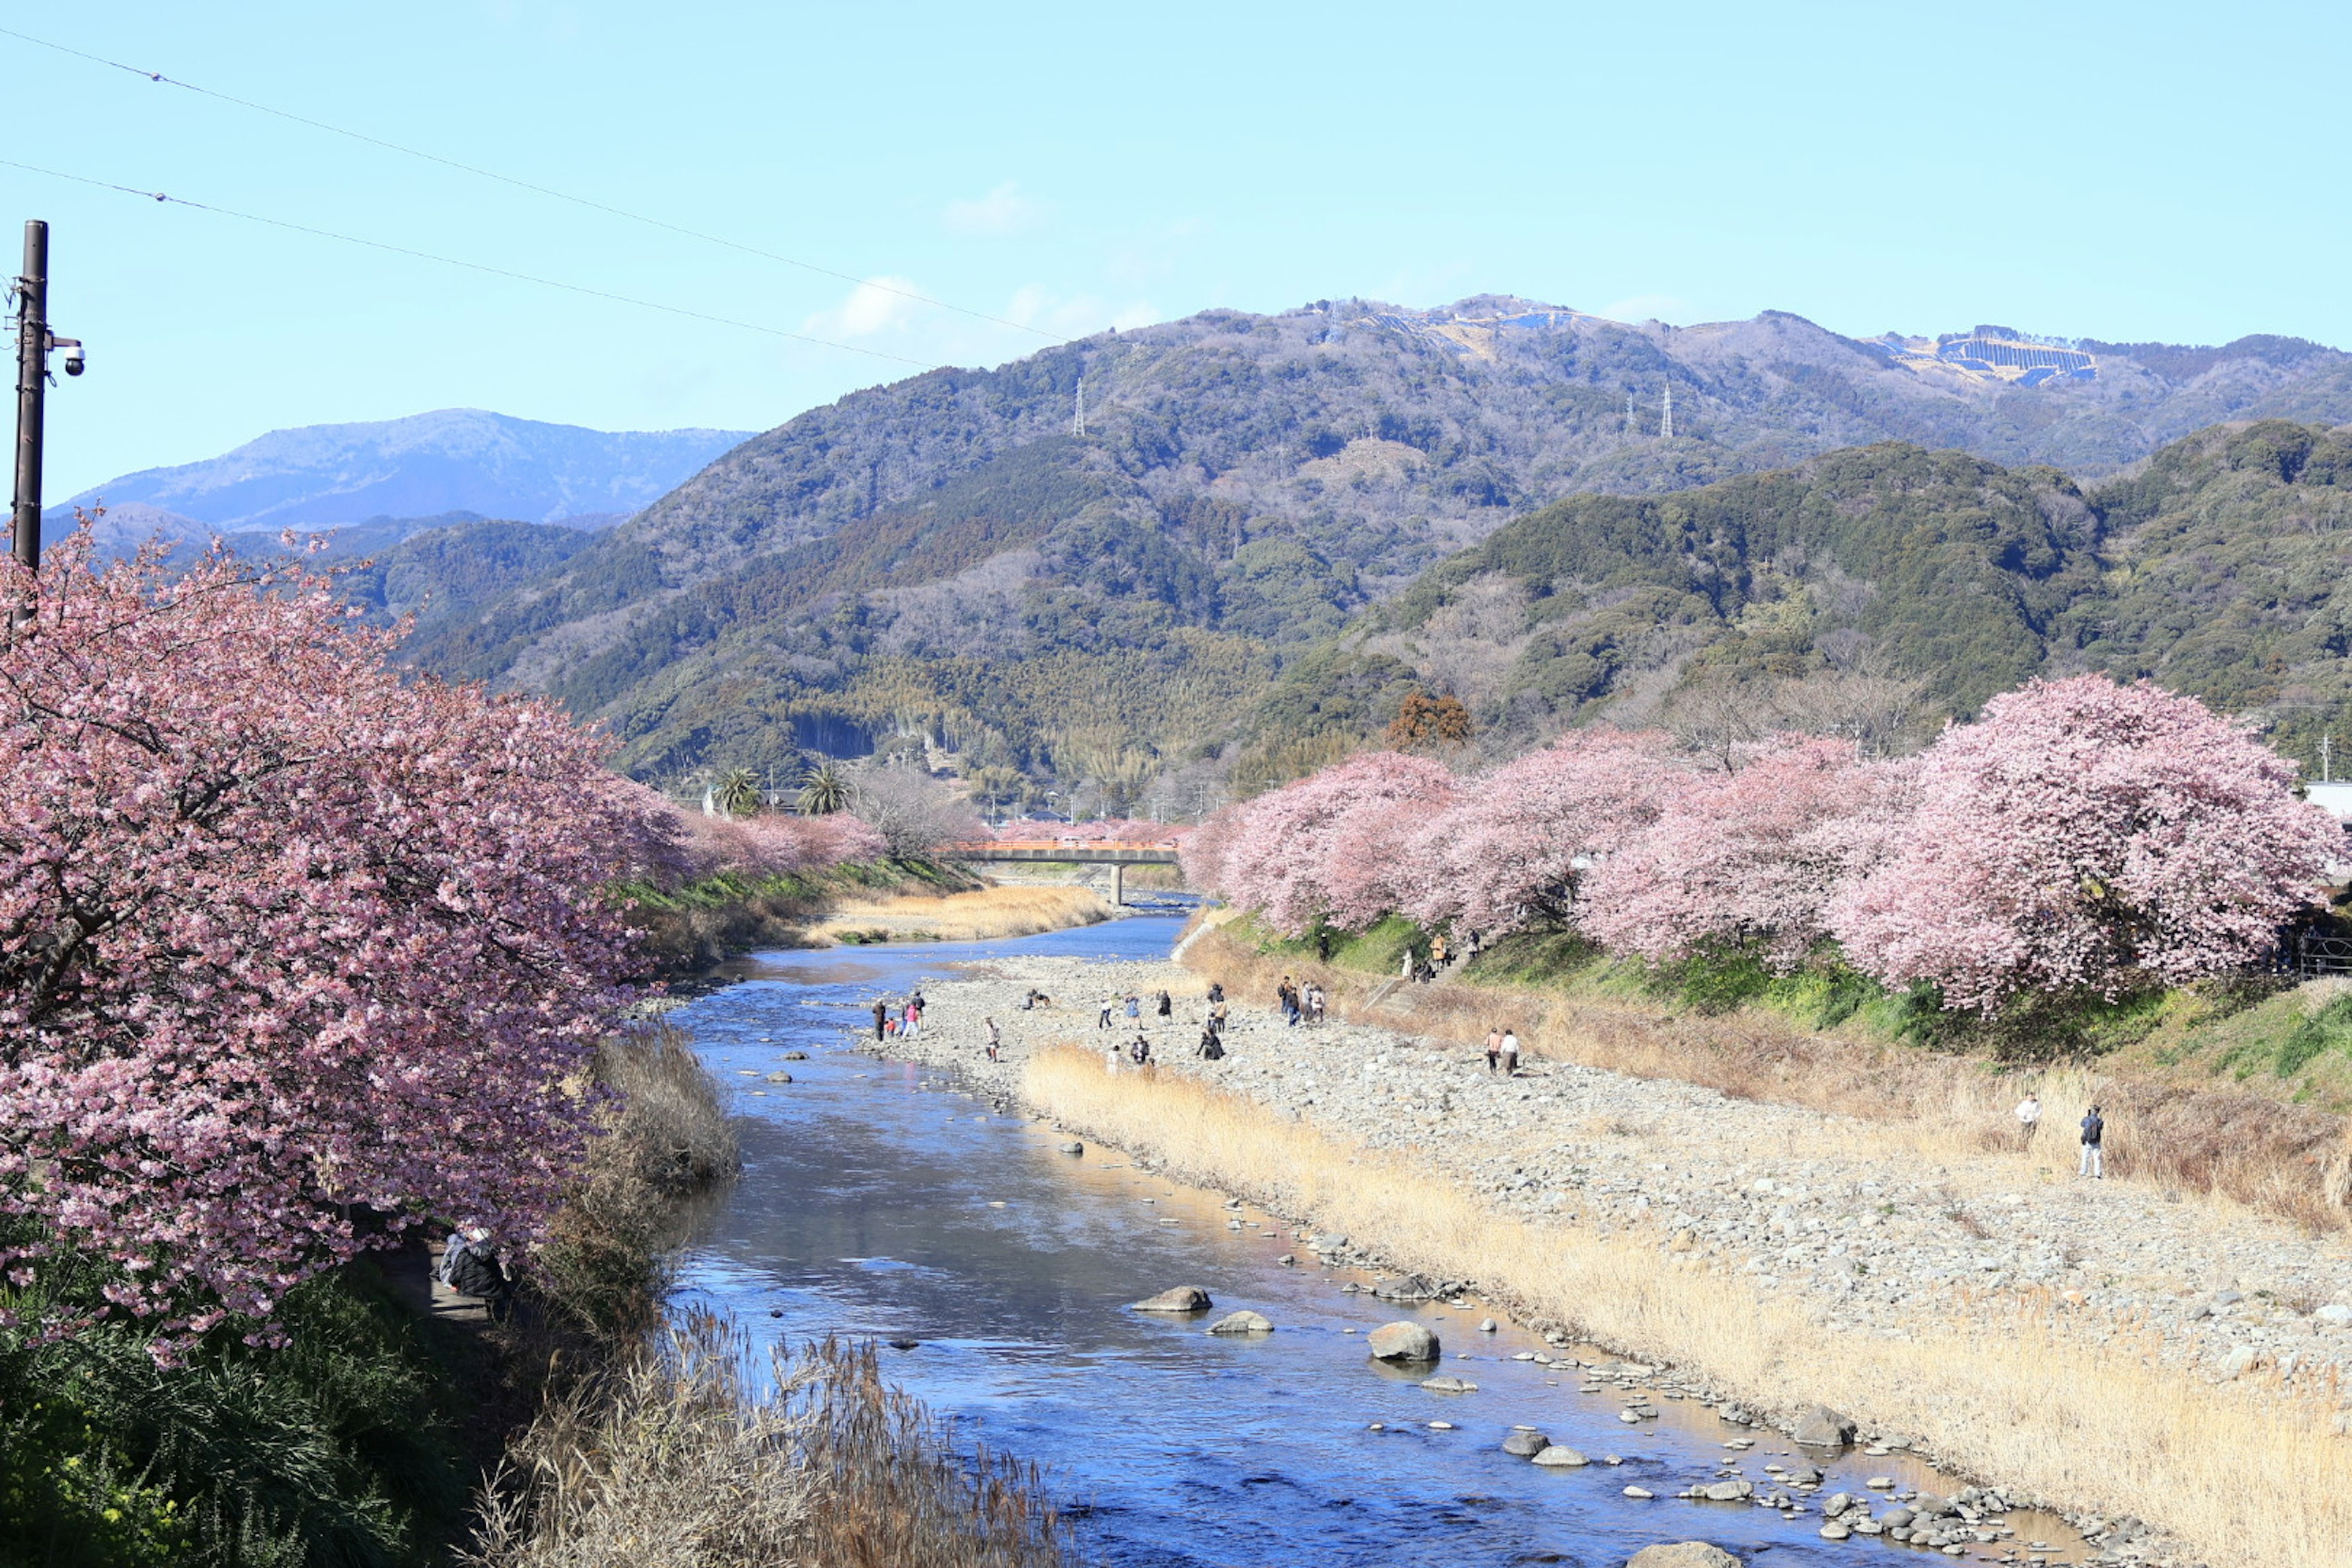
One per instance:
[(2251, 1473), (984, 915), (675, 1461), (664, 1137), (2279, 1159)]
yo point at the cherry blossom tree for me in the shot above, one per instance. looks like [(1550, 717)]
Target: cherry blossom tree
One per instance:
[(1519, 842), (1750, 859), (2088, 837), (1329, 849), (285, 930)]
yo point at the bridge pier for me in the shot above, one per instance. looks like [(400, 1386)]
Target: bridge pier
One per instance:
[(1118, 884)]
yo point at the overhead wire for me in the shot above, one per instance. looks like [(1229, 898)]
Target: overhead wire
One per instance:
[(590, 203), (481, 267)]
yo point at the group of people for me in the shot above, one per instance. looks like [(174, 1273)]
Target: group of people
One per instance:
[(1300, 1004), (902, 1021), (1503, 1050), (2092, 1162), (1163, 1004), (1423, 965)]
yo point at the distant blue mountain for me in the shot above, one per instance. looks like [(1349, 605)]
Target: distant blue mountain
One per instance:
[(428, 465)]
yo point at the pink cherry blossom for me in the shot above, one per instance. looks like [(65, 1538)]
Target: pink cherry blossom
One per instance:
[(1328, 847), (2089, 837), (285, 934), (1752, 858), (1520, 840)]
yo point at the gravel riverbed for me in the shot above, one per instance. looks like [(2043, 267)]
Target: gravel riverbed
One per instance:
[(1804, 1205)]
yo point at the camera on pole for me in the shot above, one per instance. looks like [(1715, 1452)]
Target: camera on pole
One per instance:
[(35, 343)]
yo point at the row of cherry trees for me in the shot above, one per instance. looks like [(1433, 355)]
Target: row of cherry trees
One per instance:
[(2081, 837), (287, 934)]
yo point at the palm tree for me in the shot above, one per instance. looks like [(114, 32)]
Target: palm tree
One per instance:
[(738, 793), (824, 791)]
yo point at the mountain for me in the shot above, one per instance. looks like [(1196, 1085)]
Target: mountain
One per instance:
[(1932, 579), (954, 552), (456, 459)]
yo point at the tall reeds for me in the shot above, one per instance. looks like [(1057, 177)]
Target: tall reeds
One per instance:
[(985, 914), (2253, 1473), (681, 1460)]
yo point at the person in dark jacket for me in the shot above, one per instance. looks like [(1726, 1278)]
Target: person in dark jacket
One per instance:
[(2095, 1133), (469, 1266), (881, 1017)]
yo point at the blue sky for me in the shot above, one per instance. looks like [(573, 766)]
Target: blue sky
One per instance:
[(2126, 172)]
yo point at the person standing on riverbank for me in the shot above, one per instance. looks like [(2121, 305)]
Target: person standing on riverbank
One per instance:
[(2029, 1118), (1493, 1048), (911, 1022), (1167, 1006), (1102, 1021), (994, 1037), (1510, 1052), (881, 1019), (2094, 1135)]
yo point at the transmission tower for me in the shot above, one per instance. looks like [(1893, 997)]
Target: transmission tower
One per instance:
[(1078, 419), (1666, 423), (1630, 426)]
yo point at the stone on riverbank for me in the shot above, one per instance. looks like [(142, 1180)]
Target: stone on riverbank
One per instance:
[(1243, 1322), (1074, 1147), (1524, 1443), (1402, 1342), (1683, 1554), (1822, 1427), (1183, 1298)]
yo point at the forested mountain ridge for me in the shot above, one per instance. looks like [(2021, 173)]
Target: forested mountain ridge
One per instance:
[(2215, 569), (950, 545)]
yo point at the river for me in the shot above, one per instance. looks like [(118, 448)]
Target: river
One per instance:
[(879, 1200)]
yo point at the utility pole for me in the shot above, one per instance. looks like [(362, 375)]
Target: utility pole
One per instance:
[(34, 342), (2327, 757)]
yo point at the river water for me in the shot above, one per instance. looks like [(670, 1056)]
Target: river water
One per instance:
[(879, 1200)]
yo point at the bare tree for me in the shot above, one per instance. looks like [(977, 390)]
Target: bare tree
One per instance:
[(913, 812)]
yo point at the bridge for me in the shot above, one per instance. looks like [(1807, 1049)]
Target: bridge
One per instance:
[(1117, 853)]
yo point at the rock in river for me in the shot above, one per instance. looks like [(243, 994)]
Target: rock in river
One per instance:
[(1683, 1554), (1449, 1386), (1183, 1298), (1822, 1427), (1727, 1491), (1402, 1342), (1557, 1456), (1242, 1324), (1524, 1443)]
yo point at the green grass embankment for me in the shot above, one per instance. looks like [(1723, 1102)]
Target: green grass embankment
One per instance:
[(2265, 1034), (701, 923)]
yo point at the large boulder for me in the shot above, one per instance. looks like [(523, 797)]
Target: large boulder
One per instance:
[(1243, 1322), (1683, 1554), (1559, 1456), (1184, 1299), (1524, 1443), (1822, 1427), (1402, 1342)]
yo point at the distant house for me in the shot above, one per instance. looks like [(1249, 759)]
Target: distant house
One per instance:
[(2335, 797)]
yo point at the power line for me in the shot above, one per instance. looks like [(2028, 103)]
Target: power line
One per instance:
[(589, 203), (482, 266)]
